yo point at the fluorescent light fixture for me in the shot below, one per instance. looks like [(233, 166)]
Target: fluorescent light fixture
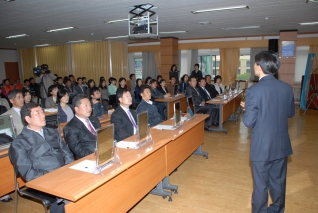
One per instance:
[(8, 0), (173, 32), (126, 36), (42, 45), (311, 1), (17, 36), (76, 41), (61, 29), (115, 21), (241, 28), (308, 23), (221, 9)]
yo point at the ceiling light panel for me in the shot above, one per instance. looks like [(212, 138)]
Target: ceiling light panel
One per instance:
[(61, 29), (221, 9), (241, 28), (17, 36), (308, 23)]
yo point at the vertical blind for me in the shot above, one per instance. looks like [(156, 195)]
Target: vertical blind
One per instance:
[(119, 59), (27, 62)]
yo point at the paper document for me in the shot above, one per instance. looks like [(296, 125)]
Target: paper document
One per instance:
[(166, 127), (50, 110), (216, 99), (127, 144), (85, 166)]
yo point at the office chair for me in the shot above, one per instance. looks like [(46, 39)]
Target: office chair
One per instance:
[(112, 101)]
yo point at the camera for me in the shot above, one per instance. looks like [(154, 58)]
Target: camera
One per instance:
[(43, 69), (37, 71)]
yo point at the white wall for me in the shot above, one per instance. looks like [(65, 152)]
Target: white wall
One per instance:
[(301, 61), (7, 56)]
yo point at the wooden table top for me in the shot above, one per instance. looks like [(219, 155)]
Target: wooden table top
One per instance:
[(220, 100), (170, 99), (73, 184)]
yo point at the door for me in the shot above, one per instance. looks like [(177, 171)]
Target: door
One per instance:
[(12, 71)]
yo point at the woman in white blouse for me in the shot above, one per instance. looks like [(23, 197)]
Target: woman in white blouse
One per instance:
[(217, 84)]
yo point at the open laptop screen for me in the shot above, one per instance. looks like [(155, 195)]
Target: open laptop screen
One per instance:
[(6, 125), (142, 125), (177, 112), (190, 103), (105, 143)]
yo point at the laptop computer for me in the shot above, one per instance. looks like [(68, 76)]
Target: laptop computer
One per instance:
[(177, 113), (7, 126), (105, 147)]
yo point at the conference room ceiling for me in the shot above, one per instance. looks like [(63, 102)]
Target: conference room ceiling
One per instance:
[(34, 17)]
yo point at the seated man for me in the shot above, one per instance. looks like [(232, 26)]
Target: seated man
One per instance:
[(199, 104), (155, 93), (52, 96), (97, 104), (123, 118), (80, 132), (38, 150), (146, 104), (16, 98), (204, 92), (210, 87), (171, 86)]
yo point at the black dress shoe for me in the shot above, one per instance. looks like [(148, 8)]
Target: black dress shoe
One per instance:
[(7, 199), (207, 129), (215, 124)]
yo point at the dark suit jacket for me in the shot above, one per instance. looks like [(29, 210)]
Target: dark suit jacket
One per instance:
[(122, 124), (34, 156), (79, 139), (196, 97), (79, 91), (211, 89), (162, 91), (268, 105), (154, 117), (203, 94)]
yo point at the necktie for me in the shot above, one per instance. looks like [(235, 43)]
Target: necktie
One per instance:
[(209, 97), (89, 127), (131, 119)]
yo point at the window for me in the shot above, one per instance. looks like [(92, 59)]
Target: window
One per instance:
[(138, 68), (244, 71), (209, 64)]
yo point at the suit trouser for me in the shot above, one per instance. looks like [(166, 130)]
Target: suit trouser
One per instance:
[(269, 175), (207, 109)]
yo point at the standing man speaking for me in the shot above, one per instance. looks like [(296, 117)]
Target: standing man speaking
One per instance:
[(268, 105)]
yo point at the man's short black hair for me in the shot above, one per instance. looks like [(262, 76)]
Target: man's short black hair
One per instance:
[(69, 76), (92, 91), (217, 77), (76, 101), (31, 78), (147, 79), (51, 88), (197, 65), (13, 93), (200, 79), (191, 77), (26, 80), (26, 110), (152, 81), (143, 88), (25, 91), (268, 61), (61, 93), (171, 77), (79, 78), (58, 78), (159, 76), (131, 75), (120, 92), (162, 80), (207, 76)]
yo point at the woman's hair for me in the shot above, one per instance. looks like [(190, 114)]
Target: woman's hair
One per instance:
[(89, 82), (138, 79), (182, 78), (162, 80), (121, 79), (101, 84), (61, 93), (217, 77), (111, 79), (173, 65), (24, 92)]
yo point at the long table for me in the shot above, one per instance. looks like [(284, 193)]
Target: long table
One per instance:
[(226, 109), (121, 187), (170, 102)]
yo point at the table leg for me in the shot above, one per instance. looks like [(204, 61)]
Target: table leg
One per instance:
[(220, 128), (166, 185), (161, 192), (233, 118), (200, 152)]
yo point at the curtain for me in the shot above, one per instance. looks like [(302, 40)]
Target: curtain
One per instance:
[(157, 56), (229, 64), (55, 57), (254, 51), (90, 60), (119, 60), (314, 49), (27, 62), (149, 67)]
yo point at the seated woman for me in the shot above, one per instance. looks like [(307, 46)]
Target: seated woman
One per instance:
[(97, 104), (104, 92), (112, 88), (52, 99), (163, 88), (26, 96), (65, 111), (137, 88), (184, 83), (217, 84), (90, 84)]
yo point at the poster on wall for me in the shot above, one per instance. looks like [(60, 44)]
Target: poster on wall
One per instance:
[(305, 86), (288, 48)]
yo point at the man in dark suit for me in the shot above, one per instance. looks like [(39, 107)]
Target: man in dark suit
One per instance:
[(80, 88), (80, 132), (199, 104), (210, 87), (155, 93), (39, 150), (268, 105), (124, 119)]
